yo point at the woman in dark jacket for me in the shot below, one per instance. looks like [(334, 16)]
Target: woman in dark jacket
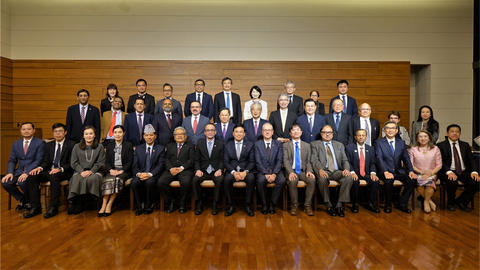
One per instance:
[(106, 103)]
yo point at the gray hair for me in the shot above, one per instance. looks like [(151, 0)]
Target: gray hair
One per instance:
[(256, 103), (282, 94), (184, 130), (285, 86)]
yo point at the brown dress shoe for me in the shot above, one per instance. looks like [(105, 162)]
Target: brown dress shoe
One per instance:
[(309, 210), (294, 210)]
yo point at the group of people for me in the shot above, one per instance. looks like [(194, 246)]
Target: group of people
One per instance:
[(98, 150)]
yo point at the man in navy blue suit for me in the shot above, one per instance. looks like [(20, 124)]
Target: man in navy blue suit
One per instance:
[(341, 123), (370, 125), (253, 126), (361, 157), (27, 155), (81, 115), (390, 153), (202, 97), (136, 122), (165, 123), (310, 122), (269, 159), (227, 99), (225, 127), (350, 104)]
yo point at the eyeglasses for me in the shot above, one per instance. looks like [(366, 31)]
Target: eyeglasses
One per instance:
[(209, 130), (180, 134), (327, 132), (268, 129)]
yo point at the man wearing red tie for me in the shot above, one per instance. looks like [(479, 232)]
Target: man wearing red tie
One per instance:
[(195, 123)]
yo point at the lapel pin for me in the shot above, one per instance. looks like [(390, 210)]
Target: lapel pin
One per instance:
[(355, 151)]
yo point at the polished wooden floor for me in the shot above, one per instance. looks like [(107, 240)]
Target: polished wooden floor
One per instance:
[(440, 240)]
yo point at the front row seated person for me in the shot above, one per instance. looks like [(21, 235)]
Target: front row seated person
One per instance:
[(330, 162), (269, 160), (88, 158), (208, 165), (179, 166), (55, 168), (148, 162), (391, 152), (239, 163)]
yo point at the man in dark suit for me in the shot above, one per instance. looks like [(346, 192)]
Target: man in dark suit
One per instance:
[(225, 127), (310, 122), (269, 159), (253, 126), (208, 165), (166, 122), (110, 119), (179, 166), (195, 123), (295, 104), (341, 123), (361, 157), (202, 97), (135, 123), (370, 125), (227, 99), (239, 163), (350, 104), (330, 162), (282, 119), (148, 164), (458, 164), (167, 92), (149, 100), (55, 168), (26, 154), (82, 115), (296, 161), (390, 153)]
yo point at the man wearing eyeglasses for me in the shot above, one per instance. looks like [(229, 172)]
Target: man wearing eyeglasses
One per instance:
[(370, 125), (199, 95)]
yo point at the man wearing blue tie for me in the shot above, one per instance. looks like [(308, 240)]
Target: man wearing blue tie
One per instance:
[(341, 123), (227, 99), (311, 122)]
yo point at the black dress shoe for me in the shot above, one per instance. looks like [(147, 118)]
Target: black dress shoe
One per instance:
[(171, 208), (33, 212), (372, 208), (71, 209), (183, 208), (403, 208), (52, 211), (27, 207), (139, 211), (451, 208), (387, 209), (198, 209), (100, 214), (20, 205), (355, 208), (340, 212), (107, 214), (230, 211), (264, 209), (214, 209), (78, 209), (271, 209), (331, 211), (463, 207), (249, 211), (149, 210)]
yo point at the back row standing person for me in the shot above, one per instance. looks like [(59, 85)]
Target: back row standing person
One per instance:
[(107, 103), (228, 99), (255, 94), (167, 92), (295, 104), (81, 115), (202, 97), (149, 100), (349, 103)]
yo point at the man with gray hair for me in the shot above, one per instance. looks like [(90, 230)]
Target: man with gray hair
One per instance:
[(295, 102), (253, 126), (282, 119)]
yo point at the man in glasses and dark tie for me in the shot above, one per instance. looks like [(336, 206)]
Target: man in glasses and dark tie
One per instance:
[(199, 95), (350, 104)]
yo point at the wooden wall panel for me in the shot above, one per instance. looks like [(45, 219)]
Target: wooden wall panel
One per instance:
[(44, 89), (6, 99)]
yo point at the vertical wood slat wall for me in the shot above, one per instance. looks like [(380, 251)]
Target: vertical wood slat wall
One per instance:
[(44, 89)]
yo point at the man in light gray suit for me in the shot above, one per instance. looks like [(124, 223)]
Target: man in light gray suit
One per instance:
[(296, 161), (195, 123), (330, 162)]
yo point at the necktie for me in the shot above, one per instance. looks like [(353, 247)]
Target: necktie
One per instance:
[(239, 151), (140, 125), (224, 130), (112, 124), (391, 148), (362, 162), (331, 164), (228, 101), (195, 124), (344, 105), (210, 168), (169, 121), (178, 149), (25, 148), (268, 149), (256, 127), (310, 122), (290, 102), (147, 166), (283, 121), (337, 122), (456, 159), (57, 156), (298, 168), (367, 128), (198, 97), (82, 115)]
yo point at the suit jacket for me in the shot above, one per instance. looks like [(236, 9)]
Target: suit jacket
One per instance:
[(319, 110), (149, 103), (199, 134), (296, 106), (319, 156), (131, 127), (26, 162), (318, 123), (276, 121), (176, 109), (203, 160), (228, 133), (247, 157), (266, 163), (105, 124), (164, 133), (106, 105), (207, 105), (465, 152), (74, 122), (127, 156), (289, 157), (344, 134), (157, 160), (388, 162), (352, 108), (250, 129), (354, 160), (219, 103), (65, 156), (374, 128), (186, 158)]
